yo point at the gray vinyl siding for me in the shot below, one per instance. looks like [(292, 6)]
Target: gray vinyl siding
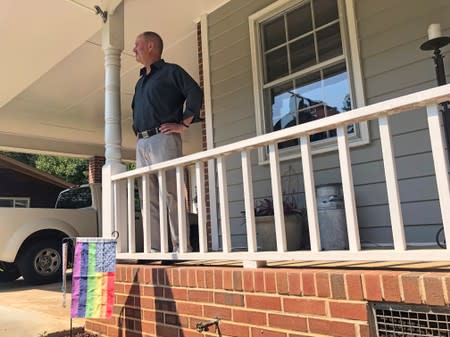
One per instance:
[(390, 34)]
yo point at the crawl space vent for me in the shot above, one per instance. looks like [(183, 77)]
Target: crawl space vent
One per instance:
[(403, 320)]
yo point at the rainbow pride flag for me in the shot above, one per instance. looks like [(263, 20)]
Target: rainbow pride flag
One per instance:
[(93, 276)]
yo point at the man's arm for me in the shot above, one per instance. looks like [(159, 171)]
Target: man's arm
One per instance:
[(194, 99), (191, 90)]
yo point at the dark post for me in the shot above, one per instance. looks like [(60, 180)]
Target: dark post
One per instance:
[(436, 42)]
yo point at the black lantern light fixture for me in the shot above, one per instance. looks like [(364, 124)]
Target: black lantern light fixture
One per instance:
[(435, 42)]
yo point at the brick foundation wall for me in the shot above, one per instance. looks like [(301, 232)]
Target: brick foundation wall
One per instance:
[(169, 301)]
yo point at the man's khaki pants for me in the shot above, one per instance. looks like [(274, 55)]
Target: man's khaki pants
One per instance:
[(152, 150)]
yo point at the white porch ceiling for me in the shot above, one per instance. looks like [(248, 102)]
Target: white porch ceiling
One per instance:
[(52, 74)]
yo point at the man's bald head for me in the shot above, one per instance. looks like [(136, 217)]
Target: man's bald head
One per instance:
[(156, 39)]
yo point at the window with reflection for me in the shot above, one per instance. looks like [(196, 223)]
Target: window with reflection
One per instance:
[(74, 198), (305, 75), (15, 202)]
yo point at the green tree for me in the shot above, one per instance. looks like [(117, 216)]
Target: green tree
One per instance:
[(72, 170)]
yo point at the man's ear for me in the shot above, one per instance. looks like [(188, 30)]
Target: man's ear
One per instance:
[(150, 45)]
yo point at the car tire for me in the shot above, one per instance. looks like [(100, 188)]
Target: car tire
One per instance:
[(41, 262), (8, 272)]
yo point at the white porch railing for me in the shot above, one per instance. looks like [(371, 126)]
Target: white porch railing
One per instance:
[(126, 224)]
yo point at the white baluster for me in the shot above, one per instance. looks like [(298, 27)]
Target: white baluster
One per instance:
[(390, 170), (347, 188), (277, 197)]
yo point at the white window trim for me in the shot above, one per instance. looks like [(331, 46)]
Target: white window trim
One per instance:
[(18, 199), (351, 51)]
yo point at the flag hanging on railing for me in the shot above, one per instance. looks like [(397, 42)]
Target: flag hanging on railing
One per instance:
[(93, 276)]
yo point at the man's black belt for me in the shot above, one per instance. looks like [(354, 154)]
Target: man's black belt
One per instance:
[(148, 133)]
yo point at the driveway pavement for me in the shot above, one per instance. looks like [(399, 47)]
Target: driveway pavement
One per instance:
[(32, 311)]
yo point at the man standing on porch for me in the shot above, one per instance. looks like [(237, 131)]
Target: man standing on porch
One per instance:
[(165, 102)]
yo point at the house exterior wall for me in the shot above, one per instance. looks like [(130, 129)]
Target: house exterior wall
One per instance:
[(392, 65), (16, 184), (273, 302)]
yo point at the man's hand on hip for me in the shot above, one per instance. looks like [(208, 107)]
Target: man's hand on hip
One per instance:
[(168, 128)]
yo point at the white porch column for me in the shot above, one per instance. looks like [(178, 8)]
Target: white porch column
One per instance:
[(112, 44)]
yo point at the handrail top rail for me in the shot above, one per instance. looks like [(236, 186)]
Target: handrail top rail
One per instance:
[(392, 106)]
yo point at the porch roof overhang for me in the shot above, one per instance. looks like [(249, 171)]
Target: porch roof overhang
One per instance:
[(19, 167), (52, 72)]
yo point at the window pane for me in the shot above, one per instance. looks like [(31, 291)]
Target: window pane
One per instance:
[(315, 96), (75, 198), (310, 101), (302, 53), (336, 89), (276, 64), (329, 42), (6, 203), (273, 33), (308, 92), (299, 21), (282, 103), (325, 11), (322, 97), (21, 203)]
